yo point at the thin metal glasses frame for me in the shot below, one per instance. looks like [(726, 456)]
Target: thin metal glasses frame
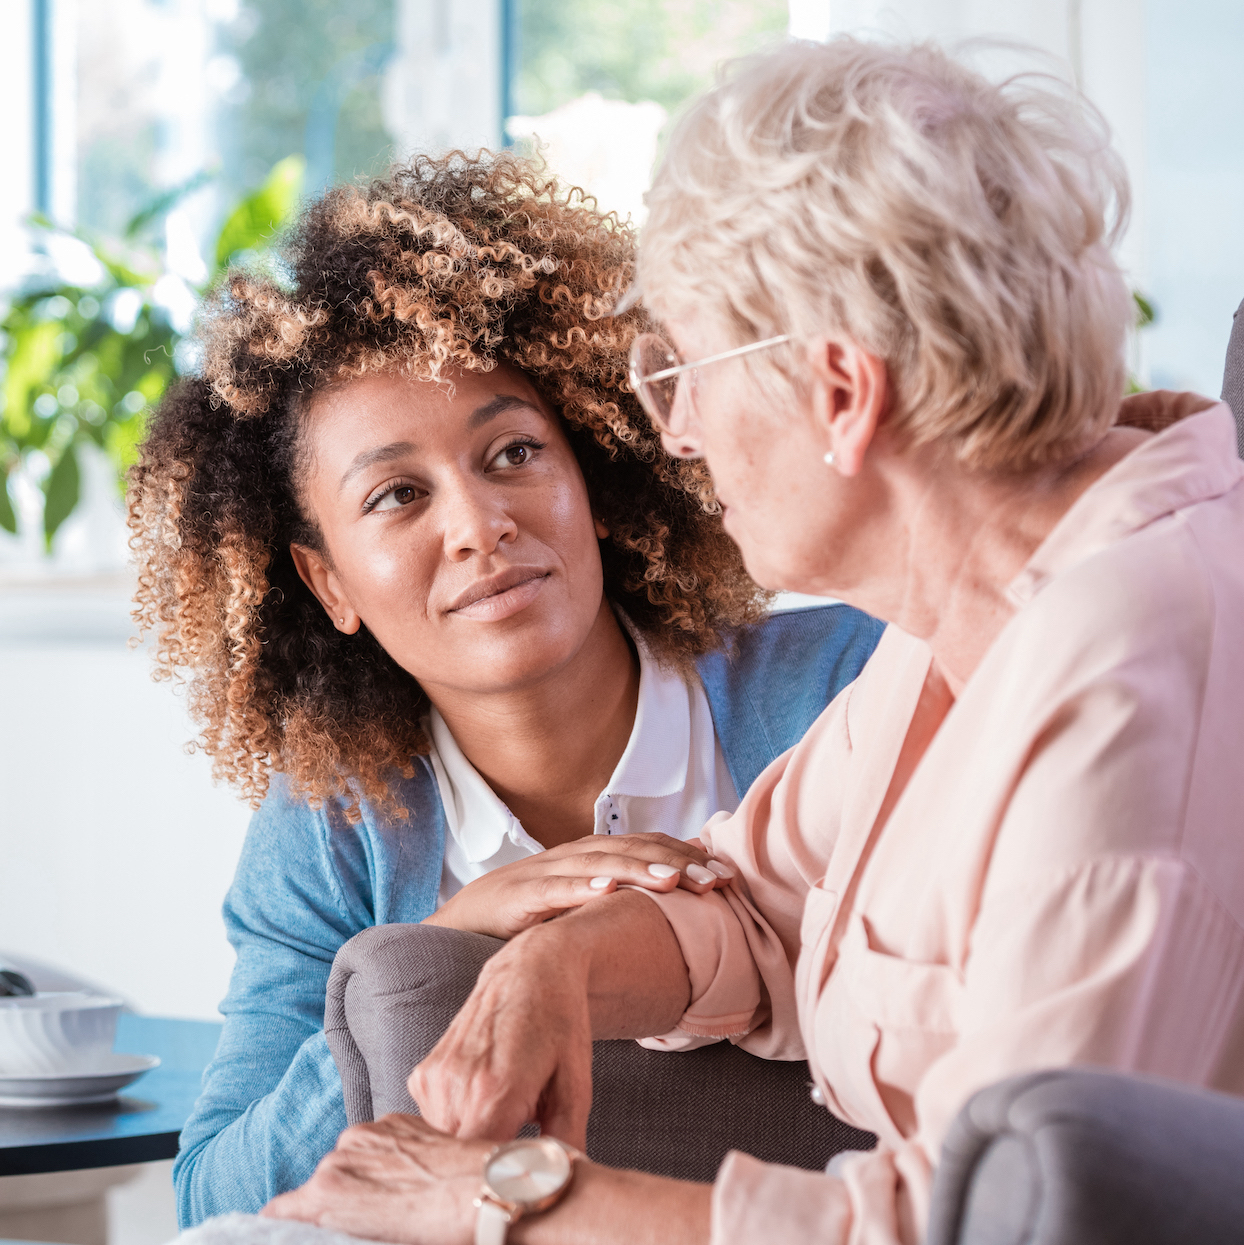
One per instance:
[(668, 372)]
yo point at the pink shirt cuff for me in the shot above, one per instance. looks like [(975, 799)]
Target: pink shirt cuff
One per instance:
[(755, 1201), (882, 1198), (725, 984)]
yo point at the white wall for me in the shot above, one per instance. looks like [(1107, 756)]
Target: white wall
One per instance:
[(1194, 60), (115, 847)]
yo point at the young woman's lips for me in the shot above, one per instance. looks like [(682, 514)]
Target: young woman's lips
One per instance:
[(501, 596)]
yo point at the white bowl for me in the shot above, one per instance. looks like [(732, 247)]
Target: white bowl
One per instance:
[(69, 1031)]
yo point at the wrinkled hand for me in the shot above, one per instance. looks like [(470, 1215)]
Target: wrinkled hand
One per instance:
[(520, 1049), (528, 892), (398, 1179)]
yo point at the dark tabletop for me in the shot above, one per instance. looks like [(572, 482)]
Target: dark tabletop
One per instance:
[(139, 1126)]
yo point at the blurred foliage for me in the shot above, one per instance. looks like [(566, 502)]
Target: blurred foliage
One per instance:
[(662, 50), (1146, 314), (286, 50), (113, 176), (86, 360), (254, 220)]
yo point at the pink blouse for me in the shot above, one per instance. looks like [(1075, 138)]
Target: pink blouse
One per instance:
[(1060, 882)]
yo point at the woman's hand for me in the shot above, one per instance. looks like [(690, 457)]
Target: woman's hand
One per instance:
[(528, 892), (401, 1180), (520, 1048), (395, 1180)]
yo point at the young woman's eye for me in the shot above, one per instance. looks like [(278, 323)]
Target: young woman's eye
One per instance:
[(391, 497), (516, 454)]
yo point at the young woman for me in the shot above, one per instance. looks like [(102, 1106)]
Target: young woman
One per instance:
[(474, 646)]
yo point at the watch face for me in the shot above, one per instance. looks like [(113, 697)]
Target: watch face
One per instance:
[(527, 1172)]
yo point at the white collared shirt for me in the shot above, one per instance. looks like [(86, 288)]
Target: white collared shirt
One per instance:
[(671, 778)]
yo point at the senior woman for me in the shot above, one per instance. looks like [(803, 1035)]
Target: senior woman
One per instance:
[(896, 337), (454, 622)]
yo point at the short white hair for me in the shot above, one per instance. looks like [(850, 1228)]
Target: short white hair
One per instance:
[(959, 229)]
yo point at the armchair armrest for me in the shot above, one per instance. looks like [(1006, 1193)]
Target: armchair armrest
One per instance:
[(395, 988), (1081, 1156)]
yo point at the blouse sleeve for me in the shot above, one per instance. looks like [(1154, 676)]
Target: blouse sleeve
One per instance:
[(741, 943)]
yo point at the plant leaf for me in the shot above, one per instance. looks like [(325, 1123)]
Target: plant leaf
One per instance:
[(34, 355), (122, 442), (8, 516), (260, 215), (60, 493)]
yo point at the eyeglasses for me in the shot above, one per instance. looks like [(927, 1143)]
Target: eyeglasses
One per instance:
[(655, 369)]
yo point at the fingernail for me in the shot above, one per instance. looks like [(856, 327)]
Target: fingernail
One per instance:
[(722, 871), (697, 873), (663, 871), (599, 884)]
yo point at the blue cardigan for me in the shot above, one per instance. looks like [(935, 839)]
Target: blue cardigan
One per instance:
[(308, 881)]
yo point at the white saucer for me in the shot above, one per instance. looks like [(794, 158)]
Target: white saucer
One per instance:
[(65, 1089)]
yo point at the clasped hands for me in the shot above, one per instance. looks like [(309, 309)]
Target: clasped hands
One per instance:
[(521, 1047), (528, 892)]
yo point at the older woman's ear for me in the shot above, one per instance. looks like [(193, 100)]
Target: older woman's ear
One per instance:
[(849, 397), (316, 573)]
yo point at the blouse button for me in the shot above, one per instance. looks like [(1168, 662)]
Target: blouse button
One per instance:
[(817, 1095)]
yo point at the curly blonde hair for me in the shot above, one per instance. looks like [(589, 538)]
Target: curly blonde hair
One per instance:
[(455, 263)]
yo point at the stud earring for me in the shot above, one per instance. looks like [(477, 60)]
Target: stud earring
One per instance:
[(342, 621), (829, 459)]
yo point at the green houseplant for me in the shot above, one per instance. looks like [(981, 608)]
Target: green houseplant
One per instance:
[(85, 361)]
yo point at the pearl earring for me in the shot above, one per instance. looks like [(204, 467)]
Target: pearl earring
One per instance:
[(829, 459), (342, 621)]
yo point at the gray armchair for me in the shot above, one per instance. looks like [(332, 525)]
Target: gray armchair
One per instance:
[(395, 988), (1080, 1156)]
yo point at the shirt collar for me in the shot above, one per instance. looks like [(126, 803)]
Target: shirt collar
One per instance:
[(654, 763), (659, 749), (1191, 458), (475, 815)]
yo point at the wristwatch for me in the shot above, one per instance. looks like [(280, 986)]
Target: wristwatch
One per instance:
[(521, 1178)]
